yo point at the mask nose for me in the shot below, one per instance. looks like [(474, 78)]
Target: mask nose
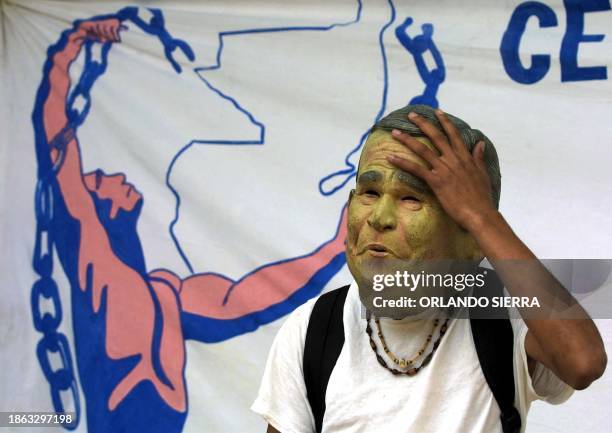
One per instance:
[(383, 216)]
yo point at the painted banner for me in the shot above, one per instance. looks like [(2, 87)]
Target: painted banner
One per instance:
[(175, 174)]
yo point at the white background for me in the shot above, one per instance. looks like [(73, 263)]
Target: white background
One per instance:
[(316, 92)]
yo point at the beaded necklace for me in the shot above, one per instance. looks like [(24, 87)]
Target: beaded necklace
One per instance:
[(402, 362), (413, 370)]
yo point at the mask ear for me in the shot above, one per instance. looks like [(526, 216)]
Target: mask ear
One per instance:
[(351, 194)]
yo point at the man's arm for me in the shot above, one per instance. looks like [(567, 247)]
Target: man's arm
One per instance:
[(572, 349), (213, 296), (56, 124), (99, 269)]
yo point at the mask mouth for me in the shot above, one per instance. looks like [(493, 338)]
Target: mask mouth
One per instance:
[(376, 250)]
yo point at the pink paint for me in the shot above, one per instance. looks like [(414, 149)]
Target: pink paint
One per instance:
[(204, 294), (130, 312)]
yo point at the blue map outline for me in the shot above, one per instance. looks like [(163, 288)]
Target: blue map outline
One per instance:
[(349, 171)]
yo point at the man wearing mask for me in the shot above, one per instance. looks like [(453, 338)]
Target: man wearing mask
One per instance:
[(427, 192)]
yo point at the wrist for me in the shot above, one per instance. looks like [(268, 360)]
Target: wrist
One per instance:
[(481, 222), (77, 34)]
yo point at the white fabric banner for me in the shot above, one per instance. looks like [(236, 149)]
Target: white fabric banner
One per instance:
[(174, 177)]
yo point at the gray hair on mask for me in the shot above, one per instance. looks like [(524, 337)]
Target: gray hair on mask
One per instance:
[(398, 119)]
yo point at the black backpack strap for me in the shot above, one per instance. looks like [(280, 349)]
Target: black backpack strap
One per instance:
[(494, 341), (324, 341)]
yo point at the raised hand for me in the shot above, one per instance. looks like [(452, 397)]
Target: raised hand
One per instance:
[(107, 30), (458, 179)]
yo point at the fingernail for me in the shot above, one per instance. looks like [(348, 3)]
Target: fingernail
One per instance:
[(412, 115), (396, 132)]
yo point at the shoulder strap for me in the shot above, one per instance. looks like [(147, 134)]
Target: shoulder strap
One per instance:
[(494, 341), (324, 341)]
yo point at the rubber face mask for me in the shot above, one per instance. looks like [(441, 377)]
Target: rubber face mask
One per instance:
[(396, 224)]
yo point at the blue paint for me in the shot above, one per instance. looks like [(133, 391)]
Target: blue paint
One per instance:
[(510, 44), (335, 181), (574, 35), (418, 46), (211, 330), (568, 56), (143, 409), (260, 140)]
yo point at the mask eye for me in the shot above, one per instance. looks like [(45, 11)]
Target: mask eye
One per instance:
[(371, 193), (410, 198)]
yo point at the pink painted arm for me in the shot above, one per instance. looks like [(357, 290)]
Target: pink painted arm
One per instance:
[(204, 294), (78, 201)]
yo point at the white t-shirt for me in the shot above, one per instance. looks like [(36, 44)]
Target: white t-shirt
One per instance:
[(448, 395)]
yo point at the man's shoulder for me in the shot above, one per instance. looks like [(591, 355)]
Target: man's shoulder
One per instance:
[(296, 324), (303, 311)]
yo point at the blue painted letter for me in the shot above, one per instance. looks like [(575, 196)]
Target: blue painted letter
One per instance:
[(570, 71), (540, 63)]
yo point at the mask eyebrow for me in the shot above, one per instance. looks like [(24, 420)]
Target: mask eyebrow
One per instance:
[(370, 176), (412, 181)]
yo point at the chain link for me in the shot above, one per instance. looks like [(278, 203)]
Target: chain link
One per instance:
[(45, 288)]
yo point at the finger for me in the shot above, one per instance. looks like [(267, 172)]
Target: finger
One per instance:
[(115, 32), (416, 146), (409, 166), (108, 34), (437, 138), (90, 32), (97, 32), (456, 142)]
